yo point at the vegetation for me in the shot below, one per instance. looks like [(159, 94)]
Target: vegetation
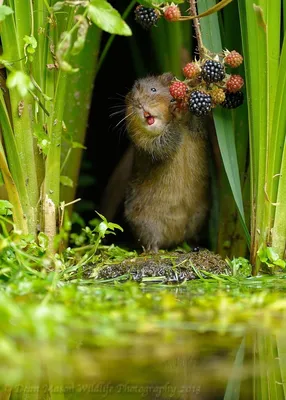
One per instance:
[(47, 44), (251, 146), (60, 325)]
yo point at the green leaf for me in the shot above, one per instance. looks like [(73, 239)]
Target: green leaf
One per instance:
[(113, 226), (102, 228), (262, 253), (280, 263), (43, 240), (226, 141), (107, 18), (1, 179), (5, 207), (66, 181), (77, 145), (81, 35), (4, 12), (42, 138), (102, 217), (58, 6), (31, 43), (272, 255), (20, 81)]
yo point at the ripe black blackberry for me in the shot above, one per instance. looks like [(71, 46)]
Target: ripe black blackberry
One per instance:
[(213, 71), (233, 100), (200, 103), (146, 17)]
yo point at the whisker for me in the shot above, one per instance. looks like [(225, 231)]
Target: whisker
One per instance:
[(117, 113), (118, 97), (117, 106), (123, 119)]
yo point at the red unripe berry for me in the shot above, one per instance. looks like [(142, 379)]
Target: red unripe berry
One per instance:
[(172, 13), (178, 90), (191, 69), (233, 59), (234, 83)]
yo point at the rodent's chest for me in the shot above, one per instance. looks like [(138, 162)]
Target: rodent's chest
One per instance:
[(175, 177)]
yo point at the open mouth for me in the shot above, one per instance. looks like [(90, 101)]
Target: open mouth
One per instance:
[(150, 119)]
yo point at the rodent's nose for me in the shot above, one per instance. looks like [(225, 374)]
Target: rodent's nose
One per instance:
[(147, 114)]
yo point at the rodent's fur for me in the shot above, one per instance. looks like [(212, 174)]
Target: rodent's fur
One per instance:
[(168, 194)]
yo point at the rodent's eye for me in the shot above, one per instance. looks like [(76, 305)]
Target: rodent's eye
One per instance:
[(153, 89)]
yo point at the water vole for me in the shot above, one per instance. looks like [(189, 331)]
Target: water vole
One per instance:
[(168, 194)]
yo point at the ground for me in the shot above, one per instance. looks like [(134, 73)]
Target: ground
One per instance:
[(168, 267)]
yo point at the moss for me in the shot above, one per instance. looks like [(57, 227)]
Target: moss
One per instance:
[(168, 267)]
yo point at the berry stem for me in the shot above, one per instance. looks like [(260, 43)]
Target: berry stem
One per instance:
[(193, 12)]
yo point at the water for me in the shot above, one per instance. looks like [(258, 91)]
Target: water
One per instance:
[(200, 341)]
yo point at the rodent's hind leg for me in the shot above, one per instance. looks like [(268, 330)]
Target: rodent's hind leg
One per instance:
[(195, 225), (149, 235), (153, 249)]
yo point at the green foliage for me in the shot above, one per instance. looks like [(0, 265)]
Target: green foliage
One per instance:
[(20, 81), (268, 256), (5, 208), (93, 237), (4, 12), (240, 266), (265, 57), (66, 181), (107, 18), (43, 45), (30, 47)]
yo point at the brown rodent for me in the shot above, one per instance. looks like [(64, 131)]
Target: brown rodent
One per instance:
[(168, 193)]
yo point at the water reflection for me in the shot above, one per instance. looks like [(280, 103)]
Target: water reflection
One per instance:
[(188, 365)]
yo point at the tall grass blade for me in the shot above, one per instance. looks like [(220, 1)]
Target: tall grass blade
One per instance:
[(222, 118), (76, 113), (267, 371), (276, 163), (230, 229), (261, 25), (226, 140), (281, 351), (279, 228), (233, 386)]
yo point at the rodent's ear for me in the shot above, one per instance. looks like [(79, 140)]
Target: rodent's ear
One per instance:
[(166, 78)]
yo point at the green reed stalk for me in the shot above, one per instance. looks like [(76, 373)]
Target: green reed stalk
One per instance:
[(12, 34), (261, 25), (76, 112)]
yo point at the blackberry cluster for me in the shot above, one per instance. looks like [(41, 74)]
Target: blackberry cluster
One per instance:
[(207, 84), (146, 17), (200, 103), (233, 100), (213, 71)]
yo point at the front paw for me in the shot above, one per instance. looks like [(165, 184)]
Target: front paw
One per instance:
[(178, 108)]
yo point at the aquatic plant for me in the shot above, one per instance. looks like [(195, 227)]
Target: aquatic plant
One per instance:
[(48, 64)]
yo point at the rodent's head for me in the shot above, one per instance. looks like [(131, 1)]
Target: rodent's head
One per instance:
[(148, 106)]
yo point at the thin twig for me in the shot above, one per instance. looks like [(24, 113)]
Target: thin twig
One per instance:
[(193, 11)]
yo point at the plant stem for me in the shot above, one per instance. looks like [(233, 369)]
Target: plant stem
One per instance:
[(11, 36), (13, 195), (193, 10), (51, 195)]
